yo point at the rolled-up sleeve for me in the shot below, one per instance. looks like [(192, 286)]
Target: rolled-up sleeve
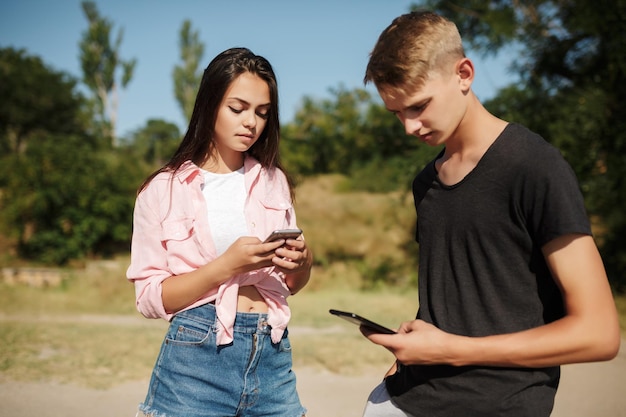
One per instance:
[(148, 261)]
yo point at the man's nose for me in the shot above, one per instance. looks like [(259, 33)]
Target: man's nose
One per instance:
[(412, 126)]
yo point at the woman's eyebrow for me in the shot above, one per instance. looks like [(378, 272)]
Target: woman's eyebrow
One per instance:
[(247, 102)]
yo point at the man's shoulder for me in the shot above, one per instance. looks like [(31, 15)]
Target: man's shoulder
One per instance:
[(523, 138), (518, 144)]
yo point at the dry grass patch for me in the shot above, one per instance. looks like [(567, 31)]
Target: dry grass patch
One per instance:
[(96, 355), (100, 287), (356, 233), (353, 223), (101, 351), (322, 340), (346, 353)]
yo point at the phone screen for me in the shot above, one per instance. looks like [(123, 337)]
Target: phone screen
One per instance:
[(361, 321), (283, 234)]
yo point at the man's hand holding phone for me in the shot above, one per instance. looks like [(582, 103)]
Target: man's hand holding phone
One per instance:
[(362, 322)]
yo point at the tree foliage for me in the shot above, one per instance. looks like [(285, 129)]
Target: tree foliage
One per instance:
[(186, 75), (573, 78), (156, 142), (34, 98), (100, 61), (354, 135), (66, 203), (66, 194)]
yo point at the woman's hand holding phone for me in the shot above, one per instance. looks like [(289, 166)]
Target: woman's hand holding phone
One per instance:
[(283, 234), (291, 257)]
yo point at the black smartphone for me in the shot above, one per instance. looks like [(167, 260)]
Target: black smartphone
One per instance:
[(361, 321), (283, 234)]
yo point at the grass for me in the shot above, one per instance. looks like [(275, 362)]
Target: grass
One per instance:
[(94, 355), (353, 233), (87, 332), (81, 331), (99, 345), (337, 345)]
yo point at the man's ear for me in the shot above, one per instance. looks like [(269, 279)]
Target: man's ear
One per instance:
[(465, 72)]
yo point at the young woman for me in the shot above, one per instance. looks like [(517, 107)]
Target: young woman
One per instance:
[(198, 259)]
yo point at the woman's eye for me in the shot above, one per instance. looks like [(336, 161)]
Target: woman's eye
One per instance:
[(263, 115), (236, 111)]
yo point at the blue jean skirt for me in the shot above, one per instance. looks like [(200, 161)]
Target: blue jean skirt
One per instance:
[(193, 377)]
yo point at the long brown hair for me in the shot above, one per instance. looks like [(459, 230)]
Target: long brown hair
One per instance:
[(198, 143)]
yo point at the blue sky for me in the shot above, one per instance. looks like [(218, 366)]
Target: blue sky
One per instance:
[(313, 45)]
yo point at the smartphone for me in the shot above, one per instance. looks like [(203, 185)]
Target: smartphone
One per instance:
[(361, 321), (283, 234)]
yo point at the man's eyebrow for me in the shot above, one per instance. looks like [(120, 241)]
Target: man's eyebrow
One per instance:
[(418, 103)]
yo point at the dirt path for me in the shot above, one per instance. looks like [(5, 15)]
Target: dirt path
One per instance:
[(587, 390)]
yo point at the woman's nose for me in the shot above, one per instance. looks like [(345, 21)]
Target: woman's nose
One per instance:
[(250, 120)]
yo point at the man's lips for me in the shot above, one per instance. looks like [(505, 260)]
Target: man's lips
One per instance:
[(425, 136)]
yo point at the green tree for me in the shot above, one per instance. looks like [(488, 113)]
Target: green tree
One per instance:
[(64, 194), (572, 66), (186, 75), (327, 131), (388, 159), (156, 142), (34, 98), (60, 208), (100, 61), (354, 135)]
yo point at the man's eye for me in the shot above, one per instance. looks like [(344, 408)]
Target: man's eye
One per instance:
[(420, 108)]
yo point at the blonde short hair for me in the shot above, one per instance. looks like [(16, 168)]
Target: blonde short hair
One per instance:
[(411, 49)]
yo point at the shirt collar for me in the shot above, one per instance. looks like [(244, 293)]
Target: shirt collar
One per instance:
[(188, 171)]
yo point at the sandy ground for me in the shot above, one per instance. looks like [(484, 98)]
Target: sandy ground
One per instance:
[(587, 390)]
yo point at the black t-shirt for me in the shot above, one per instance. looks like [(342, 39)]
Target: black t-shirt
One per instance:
[(481, 272)]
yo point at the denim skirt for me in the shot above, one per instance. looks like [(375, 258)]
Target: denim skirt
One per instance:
[(193, 377)]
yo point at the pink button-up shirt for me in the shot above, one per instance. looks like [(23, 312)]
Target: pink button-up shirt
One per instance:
[(171, 236)]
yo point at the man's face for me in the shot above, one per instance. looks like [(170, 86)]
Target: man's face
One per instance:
[(431, 112)]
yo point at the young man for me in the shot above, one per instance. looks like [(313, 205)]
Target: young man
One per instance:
[(511, 284)]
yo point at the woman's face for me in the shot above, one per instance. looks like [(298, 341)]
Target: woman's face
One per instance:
[(241, 118)]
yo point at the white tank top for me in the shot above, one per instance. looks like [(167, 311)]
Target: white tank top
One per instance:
[(225, 196)]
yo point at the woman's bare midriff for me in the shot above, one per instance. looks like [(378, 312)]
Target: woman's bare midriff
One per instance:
[(250, 300)]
